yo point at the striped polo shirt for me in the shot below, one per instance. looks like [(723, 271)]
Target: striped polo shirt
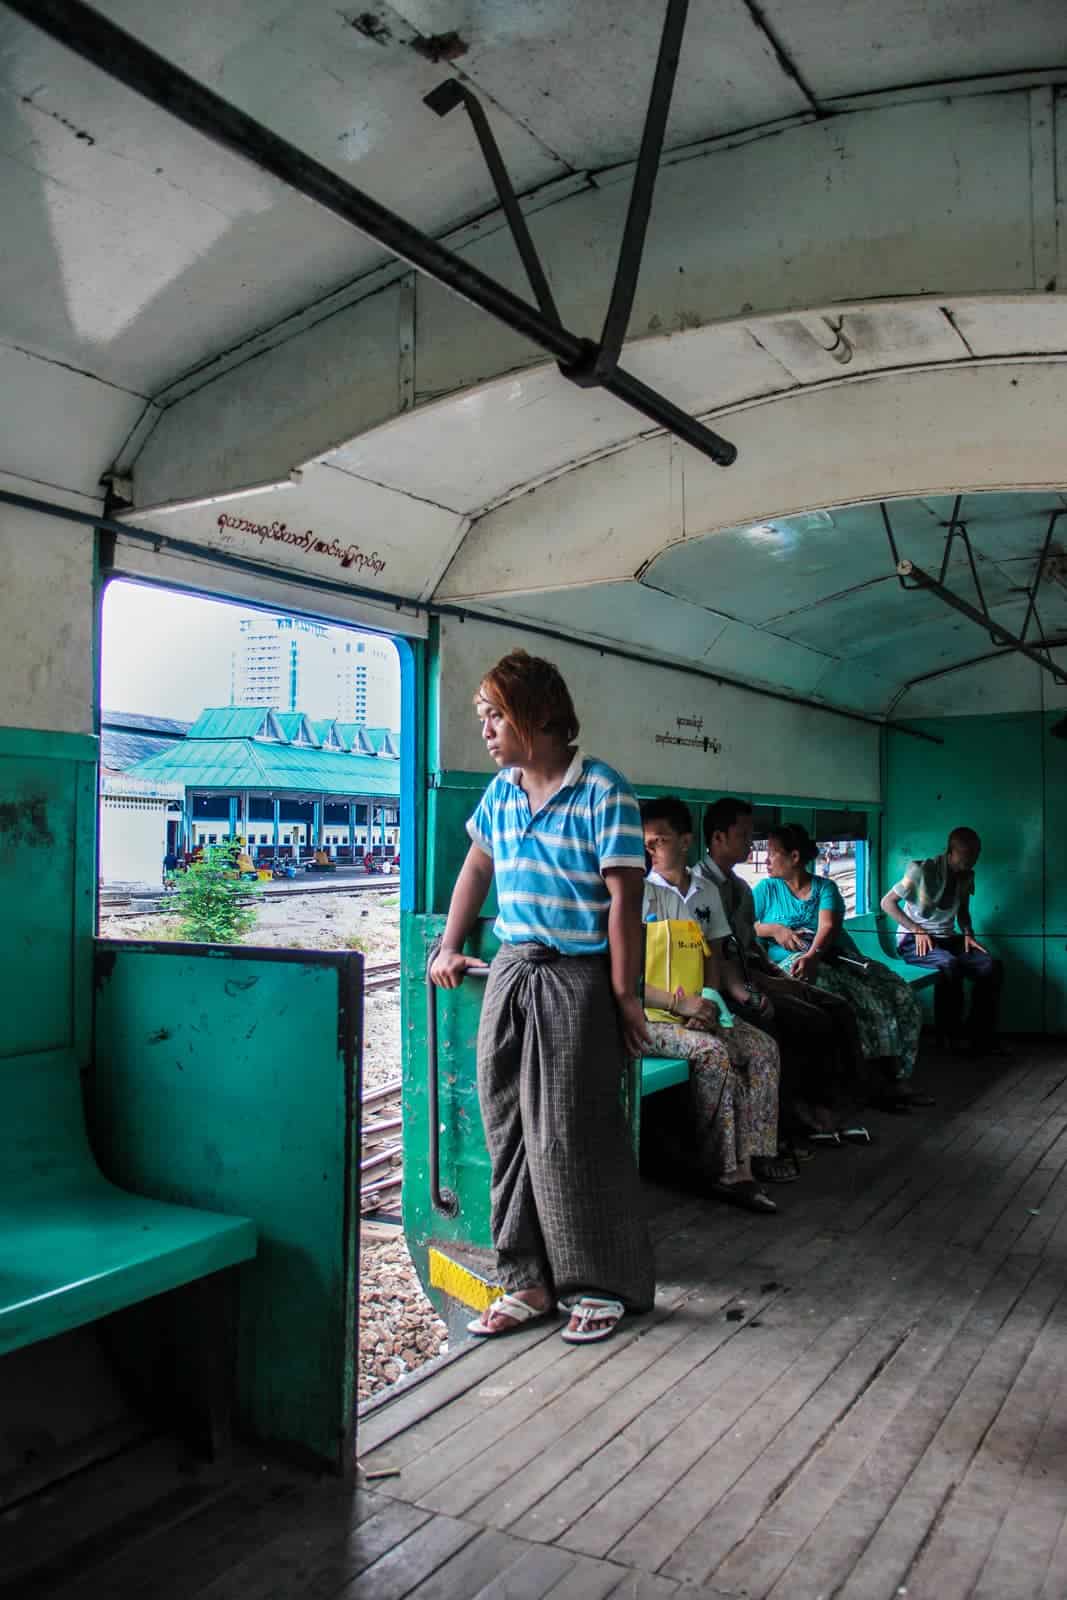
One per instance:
[(549, 866)]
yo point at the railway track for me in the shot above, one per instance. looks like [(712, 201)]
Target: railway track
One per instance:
[(381, 1173), (386, 975), (163, 905)]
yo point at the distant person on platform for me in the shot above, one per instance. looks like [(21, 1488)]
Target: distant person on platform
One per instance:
[(931, 901)]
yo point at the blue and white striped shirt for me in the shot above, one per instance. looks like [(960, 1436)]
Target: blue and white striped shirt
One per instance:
[(549, 866)]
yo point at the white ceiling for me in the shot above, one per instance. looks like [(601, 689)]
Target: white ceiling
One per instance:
[(135, 249), (135, 252)]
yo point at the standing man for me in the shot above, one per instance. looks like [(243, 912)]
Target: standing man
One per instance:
[(931, 899), (561, 834), (821, 1051)]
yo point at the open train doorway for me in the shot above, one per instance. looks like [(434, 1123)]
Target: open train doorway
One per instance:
[(250, 795)]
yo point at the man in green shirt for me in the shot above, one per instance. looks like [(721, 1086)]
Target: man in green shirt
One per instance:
[(930, 902)]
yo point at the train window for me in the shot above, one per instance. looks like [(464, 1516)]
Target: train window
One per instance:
[(841, 837), (842, 840)]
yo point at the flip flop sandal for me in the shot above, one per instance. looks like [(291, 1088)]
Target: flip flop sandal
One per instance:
[(857, 1135), (588, 1310), (508, 1305), (747, 1195), (825, 1139), (781, 1168)]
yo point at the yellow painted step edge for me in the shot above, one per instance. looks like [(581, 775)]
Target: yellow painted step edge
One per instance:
[(461, 1284)]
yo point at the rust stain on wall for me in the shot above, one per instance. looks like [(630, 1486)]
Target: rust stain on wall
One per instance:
[(25, 822)]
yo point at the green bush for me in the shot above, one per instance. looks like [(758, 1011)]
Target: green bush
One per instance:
[(209, 899)]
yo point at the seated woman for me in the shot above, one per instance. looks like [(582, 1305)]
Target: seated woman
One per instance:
[(800, 917), (733, 1078)]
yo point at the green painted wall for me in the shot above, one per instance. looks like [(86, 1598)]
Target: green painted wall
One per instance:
[(229, 1080), (47, 855), (1007, 777)]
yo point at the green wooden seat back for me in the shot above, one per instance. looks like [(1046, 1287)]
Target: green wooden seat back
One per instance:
[(74, 1247), (42, 1122)]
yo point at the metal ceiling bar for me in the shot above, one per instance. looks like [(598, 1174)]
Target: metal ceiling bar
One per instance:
[(81, 29), (947, 552), (632, 248), (1031, 608), (445, 98), (892, 543), (1044, 642), (925, 580)]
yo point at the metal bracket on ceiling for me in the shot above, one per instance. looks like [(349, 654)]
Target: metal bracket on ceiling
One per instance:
[(911, 576), (84, 31), (597, 364)]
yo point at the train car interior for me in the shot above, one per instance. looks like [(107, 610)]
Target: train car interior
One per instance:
[(718, 354)]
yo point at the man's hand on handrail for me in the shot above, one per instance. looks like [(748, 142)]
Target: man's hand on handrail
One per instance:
[(449, 968)]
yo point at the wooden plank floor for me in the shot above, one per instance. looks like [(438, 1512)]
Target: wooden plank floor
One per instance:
[(863, 1397)]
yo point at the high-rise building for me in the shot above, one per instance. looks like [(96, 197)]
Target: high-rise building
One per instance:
[(292, 664), (368, 680)]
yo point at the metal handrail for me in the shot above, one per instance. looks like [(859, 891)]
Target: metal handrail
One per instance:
[(443, 1201)]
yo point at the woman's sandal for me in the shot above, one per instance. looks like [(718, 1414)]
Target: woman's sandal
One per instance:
[(520, 1312), (781, 1168), (747, 1194), (587, 1310)]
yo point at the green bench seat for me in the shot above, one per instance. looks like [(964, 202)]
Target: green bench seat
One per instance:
[(659, 1072), (73, 1246), (877, 944)]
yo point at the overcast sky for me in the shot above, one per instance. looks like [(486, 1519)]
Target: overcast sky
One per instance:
[(169, 655)]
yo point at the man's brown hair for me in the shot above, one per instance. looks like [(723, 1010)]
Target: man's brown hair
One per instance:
[(532, 695)]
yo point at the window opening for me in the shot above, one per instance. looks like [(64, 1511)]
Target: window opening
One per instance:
[(241, 733), (842, 852)]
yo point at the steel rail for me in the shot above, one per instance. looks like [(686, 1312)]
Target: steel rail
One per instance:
[(91, 36)]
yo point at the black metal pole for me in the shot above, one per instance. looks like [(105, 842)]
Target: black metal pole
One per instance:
[(1054, 517), (632, 248), (999, 635), (445, 98), (81, 29)]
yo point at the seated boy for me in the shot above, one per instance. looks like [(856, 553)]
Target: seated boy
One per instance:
[(733, 1079)]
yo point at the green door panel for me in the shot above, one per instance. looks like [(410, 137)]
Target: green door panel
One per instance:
[(464, 1159), (229, 1080)]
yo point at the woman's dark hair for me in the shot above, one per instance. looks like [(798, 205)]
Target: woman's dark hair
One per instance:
[(668, 808), (721, 816), (792, 836)]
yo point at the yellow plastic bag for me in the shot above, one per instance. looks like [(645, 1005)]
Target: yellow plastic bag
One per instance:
[(674, 959)]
